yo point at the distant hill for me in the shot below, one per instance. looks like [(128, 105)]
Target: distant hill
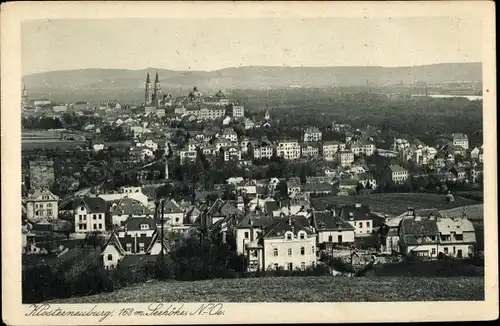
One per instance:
[(253, 77)]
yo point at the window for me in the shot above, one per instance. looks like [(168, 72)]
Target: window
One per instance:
[(301, 235), (302, 251), (330, 238), (94, 217), (95, 226), (110, 257), (290, 266), (49, 205), (454, 250), (36, 213), (312, 250), (303, 266), (360, 224), (177, 220), (276, 266), (433, 251), (141, 247), (144, 226), (80, 226), (367, 224), (446, 250), (275, 251), (49, 212), (289, 251), (129, 247), (36, 205), (254, 253), (100, 216), (100, 226), (459, 237), (80, 218), (82, 208), (246, 235), (289, 236)]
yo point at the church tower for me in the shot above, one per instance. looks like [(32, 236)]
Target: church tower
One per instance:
[(24, 98), (157, 90), (148, 97)]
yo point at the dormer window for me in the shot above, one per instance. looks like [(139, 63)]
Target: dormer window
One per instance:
[(289, 235), (301, 235), (144, 226)]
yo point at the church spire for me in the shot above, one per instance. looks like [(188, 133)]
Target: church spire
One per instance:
[(148, 96), (157, 79)]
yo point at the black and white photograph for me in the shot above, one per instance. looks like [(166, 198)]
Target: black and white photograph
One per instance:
[(219, 159)]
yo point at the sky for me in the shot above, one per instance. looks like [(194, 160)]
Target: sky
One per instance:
[(211, 44)]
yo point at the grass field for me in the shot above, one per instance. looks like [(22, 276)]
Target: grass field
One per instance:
[(297, 289), (393, 203), (27, 145), (474, 212)]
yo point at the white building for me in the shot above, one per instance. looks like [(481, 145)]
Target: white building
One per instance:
[(312, 134), (238, 111), (397, 173), (360, 217), (345, 158), (461, 140), (90, 215), (138, 237), (42, 204), (331, 229), (285, 244), (289, 149), (263, 151), (330, 148)]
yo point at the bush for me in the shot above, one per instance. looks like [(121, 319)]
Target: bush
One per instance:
[(339, 265)]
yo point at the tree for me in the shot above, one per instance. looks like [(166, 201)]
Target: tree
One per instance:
[(282, 189)]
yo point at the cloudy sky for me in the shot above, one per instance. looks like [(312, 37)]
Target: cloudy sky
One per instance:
[(210, 44)]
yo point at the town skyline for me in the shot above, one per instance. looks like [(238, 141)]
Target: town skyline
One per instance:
[(214, 44)]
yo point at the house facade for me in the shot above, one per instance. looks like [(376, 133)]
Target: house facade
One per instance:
[(90, 215), (42, 204), (288, 149), (360, 217), (312, 134), (331, 230), (461, 140), (139, 236)]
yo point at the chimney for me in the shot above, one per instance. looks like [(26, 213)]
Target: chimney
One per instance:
[(357, 205), (289, 220), (351, 216), (432, 217), (410, 211)]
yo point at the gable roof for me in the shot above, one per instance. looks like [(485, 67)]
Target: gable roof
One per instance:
[(128, 206), (39, 192), (417, 227), (114, 241), (171, 207), (134, 223), (282, 225), (94, 204), (324, 220), (357, 213)]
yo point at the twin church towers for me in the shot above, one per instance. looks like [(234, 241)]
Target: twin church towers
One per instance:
[(152, 95)]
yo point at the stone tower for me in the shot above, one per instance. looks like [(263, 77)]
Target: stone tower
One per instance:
[(24, 98), (148, 97), (156, 95)]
